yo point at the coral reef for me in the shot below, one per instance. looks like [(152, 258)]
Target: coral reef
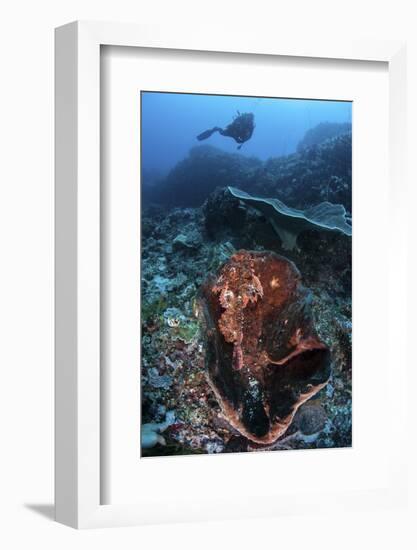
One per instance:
[(323, 132), (178, 351), (263, 356), (192, 179), (321, 172), (182, 245), (321, 256)]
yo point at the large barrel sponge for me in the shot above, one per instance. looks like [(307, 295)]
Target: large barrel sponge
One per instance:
[(263, 356)]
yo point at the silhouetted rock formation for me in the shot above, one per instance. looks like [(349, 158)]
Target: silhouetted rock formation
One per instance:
[(322, 132)]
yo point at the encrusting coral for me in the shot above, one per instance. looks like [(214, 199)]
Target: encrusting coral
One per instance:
[(263, 356)]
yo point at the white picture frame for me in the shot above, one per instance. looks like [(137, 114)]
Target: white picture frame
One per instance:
[(77, 499)]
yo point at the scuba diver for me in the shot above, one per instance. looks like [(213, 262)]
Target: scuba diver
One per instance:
[(241, 129)]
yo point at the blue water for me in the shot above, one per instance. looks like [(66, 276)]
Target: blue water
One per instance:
[(171, 122)]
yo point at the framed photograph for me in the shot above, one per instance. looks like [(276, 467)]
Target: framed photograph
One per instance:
[(228, 220)]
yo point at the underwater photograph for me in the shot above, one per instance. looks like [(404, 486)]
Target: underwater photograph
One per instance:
[(246, 274)]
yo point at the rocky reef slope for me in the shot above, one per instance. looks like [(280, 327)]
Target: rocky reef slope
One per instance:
[(320, 172)]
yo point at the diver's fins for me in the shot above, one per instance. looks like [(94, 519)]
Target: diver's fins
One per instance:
[(207, 133)]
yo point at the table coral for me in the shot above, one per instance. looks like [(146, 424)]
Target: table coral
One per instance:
[(290, 222)]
